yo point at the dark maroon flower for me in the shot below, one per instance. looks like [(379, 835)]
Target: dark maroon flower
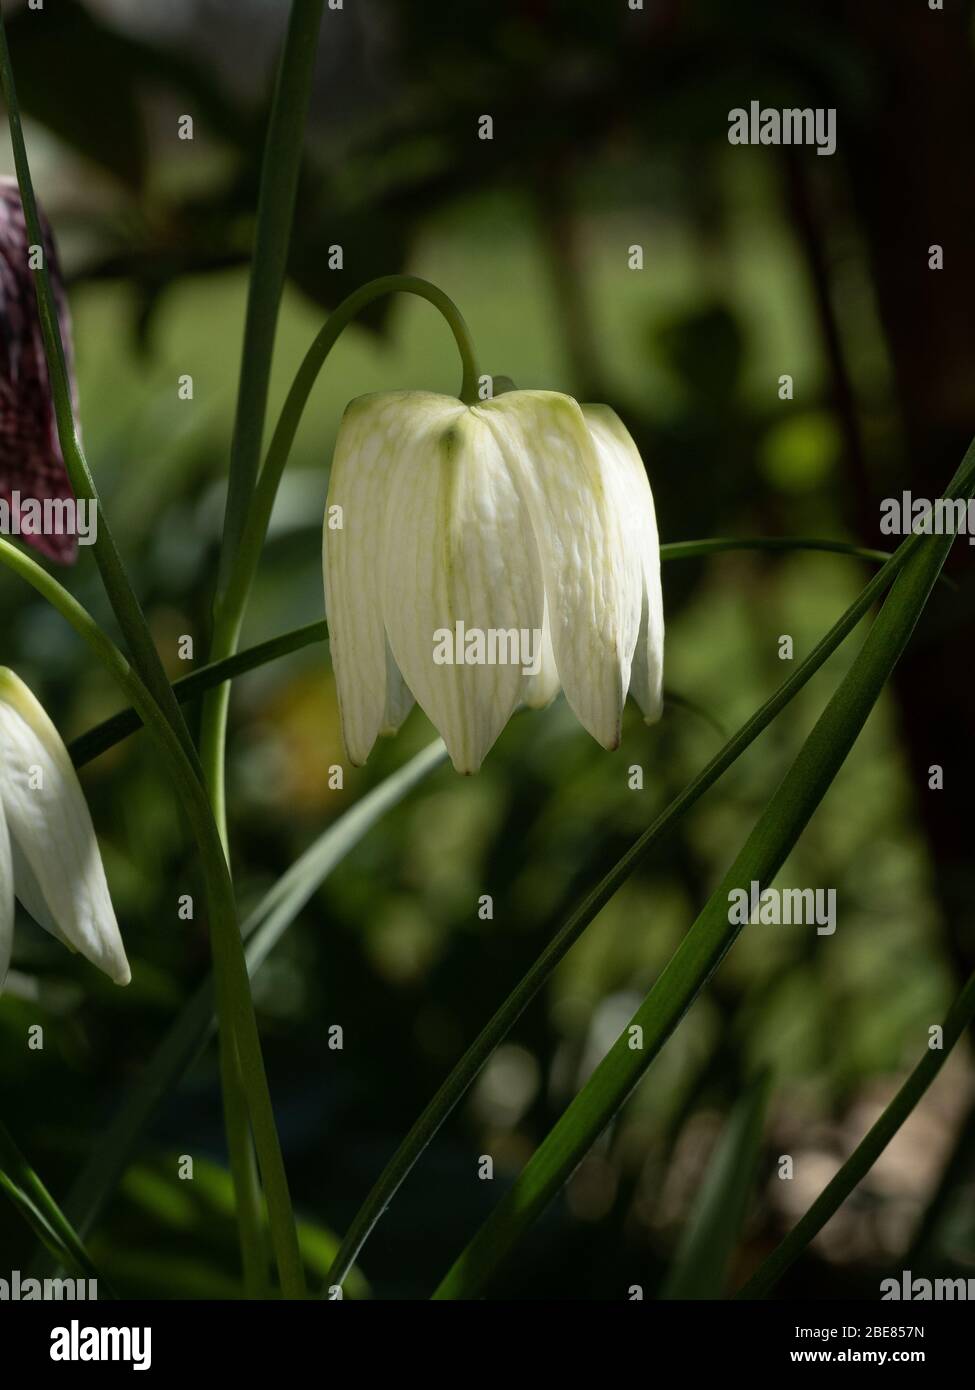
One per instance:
[(31, 464)]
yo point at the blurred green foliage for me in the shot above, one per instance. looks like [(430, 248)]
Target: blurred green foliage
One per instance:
[(607, 134)]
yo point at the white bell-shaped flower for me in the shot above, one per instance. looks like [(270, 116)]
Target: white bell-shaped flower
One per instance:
[(478, 557), (49, 856)]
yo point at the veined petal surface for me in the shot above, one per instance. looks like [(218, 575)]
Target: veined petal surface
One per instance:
[(464, 597), (542, 686), (621, 460), (372, 699), (578, 531)]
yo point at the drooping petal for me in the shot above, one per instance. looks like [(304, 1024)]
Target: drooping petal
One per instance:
[(621, 458), (31, 463), (542, 686), (464, 596), (6, 900), (372, 698), (579, 534), (399, 696), (62, 880)]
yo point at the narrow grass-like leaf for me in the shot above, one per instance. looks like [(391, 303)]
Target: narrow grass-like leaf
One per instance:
[(693, 550), (959, 1017), (674, 700), (712, 935), (280, 168), (113, 730), (39, 1209), (701, 1263), (262, 930)]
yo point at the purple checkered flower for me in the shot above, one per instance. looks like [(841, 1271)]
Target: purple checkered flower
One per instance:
[(31, 463)]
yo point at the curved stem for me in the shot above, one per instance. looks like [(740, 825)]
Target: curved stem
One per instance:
[(229, 607), (238, 1025)]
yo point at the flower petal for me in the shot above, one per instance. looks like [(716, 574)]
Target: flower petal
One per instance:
[(371, 696), (541, 688), (620, 456), (50, 829), (579, 534), (31, 463), (399, 696), (6, 900), (464, 599)]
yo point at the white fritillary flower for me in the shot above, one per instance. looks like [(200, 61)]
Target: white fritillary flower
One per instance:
[(49, 856), (479, 557)]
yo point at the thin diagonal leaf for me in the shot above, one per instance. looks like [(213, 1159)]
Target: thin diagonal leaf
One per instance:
[(41, 1212), (712, 935), (959, 1017), (713, 1228), (713, 545), (262, 930), (105, 735)]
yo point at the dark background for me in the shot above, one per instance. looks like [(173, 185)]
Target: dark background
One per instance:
[(610, 129)]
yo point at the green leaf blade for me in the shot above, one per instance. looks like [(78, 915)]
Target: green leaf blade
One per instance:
[(712, 1232)]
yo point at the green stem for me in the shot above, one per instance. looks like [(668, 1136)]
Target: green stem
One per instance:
[(262, 929), (688, 550), (230, 604), (235, 1009), (113, 730), (866, 1153), (244, 1175), (280, 169)]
